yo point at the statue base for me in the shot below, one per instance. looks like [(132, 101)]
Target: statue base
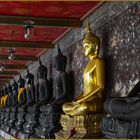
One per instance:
[(80, 126), (115, 128), (2, 118), (11, 121), (49, 122)]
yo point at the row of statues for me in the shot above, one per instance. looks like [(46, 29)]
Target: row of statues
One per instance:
[(38, 109)]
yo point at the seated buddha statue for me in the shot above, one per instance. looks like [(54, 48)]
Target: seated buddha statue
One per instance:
[(30, 89), (21, 92), (43, 85), (14, 93), (14, 102), (90, 101), (125, 108), (5, 97), (50, 113), (61, 91), (10, 103), (2, 97)]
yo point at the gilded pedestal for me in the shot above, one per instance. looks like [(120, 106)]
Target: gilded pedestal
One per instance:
[(80, 126)]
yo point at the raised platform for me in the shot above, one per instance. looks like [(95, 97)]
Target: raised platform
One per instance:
[(115, 128), (5, 135), (80, 126)]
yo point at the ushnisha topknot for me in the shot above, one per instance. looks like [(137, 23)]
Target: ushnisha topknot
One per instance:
[(90, 37), (60, 58), (40, 63)]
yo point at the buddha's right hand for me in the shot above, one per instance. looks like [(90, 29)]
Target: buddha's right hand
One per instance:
[(75, 103)]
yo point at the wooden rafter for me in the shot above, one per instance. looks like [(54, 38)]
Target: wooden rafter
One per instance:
[(9, 73), (21, 57), (14, 66), (49, 22), (22, 44)]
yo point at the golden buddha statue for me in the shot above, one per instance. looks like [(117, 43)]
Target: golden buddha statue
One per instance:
[(91, 99)]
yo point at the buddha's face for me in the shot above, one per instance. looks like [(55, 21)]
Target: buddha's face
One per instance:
[(89, 48)]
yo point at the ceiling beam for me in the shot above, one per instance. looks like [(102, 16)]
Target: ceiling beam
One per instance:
[(40, 21), (6, 77), (14, 66), (21, 57), (2, 77), (4, 81), (23, 44), (9, 73)]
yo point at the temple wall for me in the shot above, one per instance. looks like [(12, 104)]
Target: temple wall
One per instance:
[(118, 26)]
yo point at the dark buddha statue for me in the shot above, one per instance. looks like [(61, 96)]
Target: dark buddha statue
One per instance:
[(5, 99), (21, 92), (1, 106), (32, 108), (2, 98), (8, 107), (15, 93), (123, 114), (50, 113), (5, 107), (61, 91), (10, 103), (30, 89), (125, 108), (14, 102), (43, 85), (21, 109)]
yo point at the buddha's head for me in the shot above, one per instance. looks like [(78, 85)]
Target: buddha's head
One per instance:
[(29, 78), (9, 89), (90, 43), (42, 71), (21, 82), (14, 85), (60, 61)]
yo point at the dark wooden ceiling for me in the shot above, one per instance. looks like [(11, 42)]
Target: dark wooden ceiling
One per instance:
[(51, 20)]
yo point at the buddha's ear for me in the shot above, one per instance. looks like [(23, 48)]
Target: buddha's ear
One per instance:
[(96, 47)]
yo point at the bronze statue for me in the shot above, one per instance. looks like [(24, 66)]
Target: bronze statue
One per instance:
[(21, 92), (91, 99), (43, 85), (4, 97), (30, 89), (61, 91), (50, 113), (123, 113), (15, 93), (30, 116), (8, 107), (10, 103), (125, 108)]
